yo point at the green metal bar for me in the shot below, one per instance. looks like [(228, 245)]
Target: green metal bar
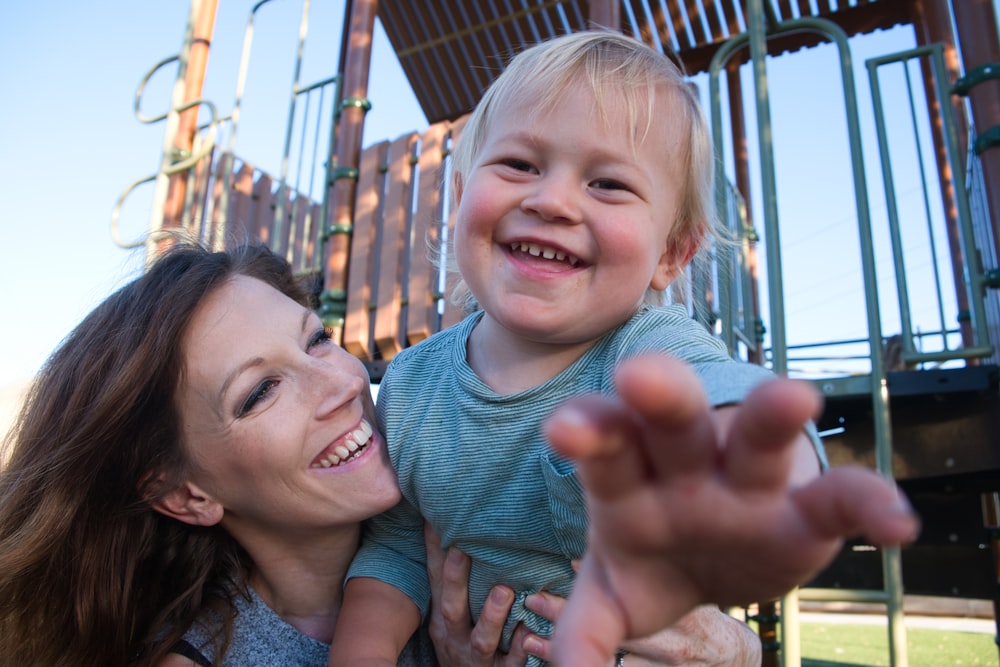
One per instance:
[(227, 175), (880, 404), (987, 140), (331, 152), (757, 31), (279, 209), (117, 211), (891, 559), (842, 595), (908, 340), (892, 212), (979, 75), (976, 281)]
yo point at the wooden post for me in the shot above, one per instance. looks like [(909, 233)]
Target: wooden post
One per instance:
[(930, 22), (359, 32), (173, 208), (976, 25)]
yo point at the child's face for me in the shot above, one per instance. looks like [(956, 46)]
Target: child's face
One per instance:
[(562, 226)]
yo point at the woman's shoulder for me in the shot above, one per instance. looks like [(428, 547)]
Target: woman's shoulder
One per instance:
[(260, 637), (177, 660)]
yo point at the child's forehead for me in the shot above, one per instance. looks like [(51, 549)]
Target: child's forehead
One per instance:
[(608, 101), (541, 94)]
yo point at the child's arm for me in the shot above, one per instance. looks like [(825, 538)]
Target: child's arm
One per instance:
[(687, 510), (386, 591), (375, 622)]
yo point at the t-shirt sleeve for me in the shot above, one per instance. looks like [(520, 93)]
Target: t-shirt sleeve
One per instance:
[(724, 379), (392, 550)]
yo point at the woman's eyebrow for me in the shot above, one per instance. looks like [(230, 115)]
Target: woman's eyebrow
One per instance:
[(249, 363), (256, 361)]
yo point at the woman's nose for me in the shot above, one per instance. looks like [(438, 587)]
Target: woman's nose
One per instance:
[(333, 386), (555, 198)]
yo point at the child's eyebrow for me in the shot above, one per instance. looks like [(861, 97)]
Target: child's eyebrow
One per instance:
[(520, 136)]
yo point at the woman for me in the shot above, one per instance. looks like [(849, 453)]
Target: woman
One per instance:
[(188, 479), (157, 474)]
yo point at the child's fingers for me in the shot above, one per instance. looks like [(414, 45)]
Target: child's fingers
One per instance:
[(670, 403), (590, 627), (762, 432), (600, 436), (849, 500)]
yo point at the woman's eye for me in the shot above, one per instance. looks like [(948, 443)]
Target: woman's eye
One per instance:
[(259, 392), (321, 337)]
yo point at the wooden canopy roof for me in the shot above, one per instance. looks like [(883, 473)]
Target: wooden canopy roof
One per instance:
[(452, 49)]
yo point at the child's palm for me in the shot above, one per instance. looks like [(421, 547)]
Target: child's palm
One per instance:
[(690, 507)]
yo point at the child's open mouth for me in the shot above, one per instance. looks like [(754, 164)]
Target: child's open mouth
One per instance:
[(544, 252)]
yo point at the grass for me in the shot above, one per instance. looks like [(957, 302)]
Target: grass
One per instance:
[(845, 645)]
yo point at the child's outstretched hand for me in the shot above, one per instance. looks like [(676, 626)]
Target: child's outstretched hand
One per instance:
[(691, 506)]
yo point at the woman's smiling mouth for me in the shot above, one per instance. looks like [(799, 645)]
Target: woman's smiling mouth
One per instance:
[(351, 447)]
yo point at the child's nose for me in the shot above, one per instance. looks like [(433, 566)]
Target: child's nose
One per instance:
[(555, 199)]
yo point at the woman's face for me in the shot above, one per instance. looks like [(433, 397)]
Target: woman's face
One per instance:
[(277, 419)]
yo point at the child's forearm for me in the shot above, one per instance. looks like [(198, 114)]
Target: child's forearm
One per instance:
[(375, 622)]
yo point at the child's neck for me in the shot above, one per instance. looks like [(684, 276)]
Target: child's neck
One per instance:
[(510, 364)]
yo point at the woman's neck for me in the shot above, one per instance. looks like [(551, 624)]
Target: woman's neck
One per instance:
[(303, 582)]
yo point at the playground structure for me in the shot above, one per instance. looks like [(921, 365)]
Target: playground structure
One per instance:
[(920, 403)]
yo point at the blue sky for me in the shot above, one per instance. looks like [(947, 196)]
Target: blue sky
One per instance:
[(71, 145)]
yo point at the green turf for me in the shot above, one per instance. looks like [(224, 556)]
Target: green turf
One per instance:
[(844, 645)]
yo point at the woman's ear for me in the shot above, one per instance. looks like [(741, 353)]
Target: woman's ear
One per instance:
[(188, 503), (677, 255)]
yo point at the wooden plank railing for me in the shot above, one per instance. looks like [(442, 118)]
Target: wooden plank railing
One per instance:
[(395, 294)]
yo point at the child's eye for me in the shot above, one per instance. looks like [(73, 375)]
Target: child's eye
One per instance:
[(519, 165), (259, 392), (609, 184)]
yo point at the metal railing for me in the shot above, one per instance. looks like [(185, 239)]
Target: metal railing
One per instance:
[(309, 142)]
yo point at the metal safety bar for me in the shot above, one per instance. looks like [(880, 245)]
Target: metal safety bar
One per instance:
[(756, 36), (975, 279)]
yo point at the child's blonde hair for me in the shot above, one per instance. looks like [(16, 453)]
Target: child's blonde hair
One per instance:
[(619, 70)]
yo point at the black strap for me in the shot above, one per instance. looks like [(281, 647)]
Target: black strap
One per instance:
[(188, 651)]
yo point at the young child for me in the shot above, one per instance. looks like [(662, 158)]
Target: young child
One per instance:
[(583, 182)]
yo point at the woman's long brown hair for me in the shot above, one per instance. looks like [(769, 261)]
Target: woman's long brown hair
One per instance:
[(90, 574)]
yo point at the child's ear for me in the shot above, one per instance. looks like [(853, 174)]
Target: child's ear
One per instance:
[(456, 187), (678, 254), (188, 503)]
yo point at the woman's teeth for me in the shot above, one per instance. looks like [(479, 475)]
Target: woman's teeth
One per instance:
[(352, 446)]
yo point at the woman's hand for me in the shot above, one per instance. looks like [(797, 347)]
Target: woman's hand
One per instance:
[(706, 637), (457, 641)]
